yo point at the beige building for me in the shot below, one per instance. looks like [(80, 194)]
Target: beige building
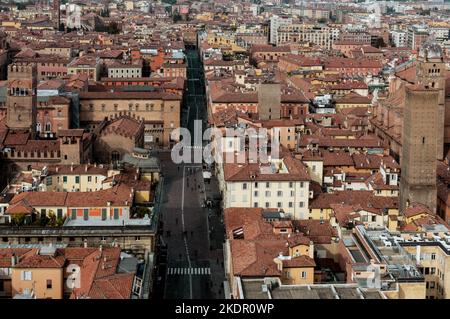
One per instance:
[(281, 184), (122, 70), (320, 35), (88, 65)]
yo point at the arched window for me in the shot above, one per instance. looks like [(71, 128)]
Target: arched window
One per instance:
[(38, 127), (115, 156), (48, 127)]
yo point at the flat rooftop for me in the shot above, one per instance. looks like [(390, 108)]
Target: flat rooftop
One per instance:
[(253, 289), (111, 223)]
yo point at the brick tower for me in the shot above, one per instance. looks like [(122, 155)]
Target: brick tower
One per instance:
[(419, 144), (21, 97), (430, 71)]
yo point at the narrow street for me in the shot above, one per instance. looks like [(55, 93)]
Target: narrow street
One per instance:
[(193, 233)]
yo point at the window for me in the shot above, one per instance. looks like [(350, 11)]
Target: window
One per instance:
[(256, 184), (267, 193), (267, 185), (74, 214), (89, 178), (26, 275), (59, 213), (115, 156), (86, 214), (267, 205), (432, 270), (43, 212), (432, 284), (303, 274), (279, 193), (290, 205), (116, 213), (292, 193), (279, 205), (77, 179), (291, 184), (64, 179), (423, 140), (302, 184), (256, 193), (104, 213), (244, 186), (49, 284), (301, 204), (433, 256), (255, 204)]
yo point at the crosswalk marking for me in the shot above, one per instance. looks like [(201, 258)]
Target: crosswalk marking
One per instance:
[(189, 271)]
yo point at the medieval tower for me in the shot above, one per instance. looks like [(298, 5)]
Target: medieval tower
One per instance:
[(21, 98), (430, 71), (419, 144)]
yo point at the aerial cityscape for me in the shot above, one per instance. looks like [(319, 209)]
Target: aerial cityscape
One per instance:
[(223, 150)]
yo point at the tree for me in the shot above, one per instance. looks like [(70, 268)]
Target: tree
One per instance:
[(43, 220), (18, 219)]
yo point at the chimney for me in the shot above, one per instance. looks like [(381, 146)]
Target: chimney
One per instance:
[(85, 245), (57, 169), (71, 167), (100, 248), (13, 260), (311, 249), (86, 168)]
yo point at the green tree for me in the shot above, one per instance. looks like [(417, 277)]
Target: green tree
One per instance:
[(18, 219), (60, 221)]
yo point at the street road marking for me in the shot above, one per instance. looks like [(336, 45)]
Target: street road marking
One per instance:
[(189, 271)]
